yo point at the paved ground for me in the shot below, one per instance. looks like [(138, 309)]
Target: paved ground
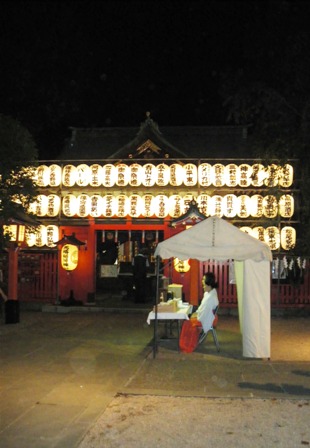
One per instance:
[(64, 378)]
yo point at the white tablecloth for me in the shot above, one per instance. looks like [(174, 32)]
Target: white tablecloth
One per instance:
[(181, 314)]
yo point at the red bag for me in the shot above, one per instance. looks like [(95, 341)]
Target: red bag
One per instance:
[(189, 335), (216, 318)]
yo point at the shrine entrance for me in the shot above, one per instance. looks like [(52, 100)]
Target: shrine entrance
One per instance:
[(115, 250)]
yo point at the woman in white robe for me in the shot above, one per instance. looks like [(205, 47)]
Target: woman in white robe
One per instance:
[(205, 312)]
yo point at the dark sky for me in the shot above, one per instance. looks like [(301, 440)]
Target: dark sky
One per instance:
[(105, 63)]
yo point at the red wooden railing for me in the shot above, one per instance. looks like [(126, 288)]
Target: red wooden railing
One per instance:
[(38, 282), (284, 293), (37, 277)]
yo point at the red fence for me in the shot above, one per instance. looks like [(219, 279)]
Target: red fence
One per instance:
[(291, 296), (288, 292), (37, 277), (38, 282)]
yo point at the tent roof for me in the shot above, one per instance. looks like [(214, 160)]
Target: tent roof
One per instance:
[(213, 239)]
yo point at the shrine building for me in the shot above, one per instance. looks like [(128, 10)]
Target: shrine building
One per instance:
[(114, 190)]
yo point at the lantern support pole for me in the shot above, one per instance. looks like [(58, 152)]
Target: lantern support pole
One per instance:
[(12, 304), (67, 242), (58, 276), (13, 272), (155, 345)]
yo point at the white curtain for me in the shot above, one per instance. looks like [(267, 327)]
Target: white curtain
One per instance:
[(256, 309)]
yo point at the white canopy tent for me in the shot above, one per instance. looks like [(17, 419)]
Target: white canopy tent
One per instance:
[(216, 239)]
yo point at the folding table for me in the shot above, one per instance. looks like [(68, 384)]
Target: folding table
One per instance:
[(180, 315)]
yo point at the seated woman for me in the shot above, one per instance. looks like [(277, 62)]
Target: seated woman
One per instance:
[(204, 313), (203, 317)]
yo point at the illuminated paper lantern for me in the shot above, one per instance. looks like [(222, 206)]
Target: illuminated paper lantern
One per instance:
[(52, 235), (232, 175), (96, 175), (244, 206), (288, 238), (161, 206), (205, 174), (135, 175), (40, 236), (83, 175), (53, 205), (31, 172), (135, 205), (162, 175), (187, 201), (109, 206), (259, 233), (41, 205), (286, 176), (148, 175), (16, 232), (42, 175), (109, 175), (69, 175), (176, 206), (148, 205), (259, 174), (230, 205), (69, 205), (245, 173), (256, 207), (190, 174), (55, 175), (270, 206), (273, 173), (247, 230), (176, 175), (83, 205), (69, 257), (286, 206), (181, 266), (32, 207), (218, 175), (216, 206), (30, 237), (122, 175), (204, 204), (96, 206), (122, 206), (272, 237)]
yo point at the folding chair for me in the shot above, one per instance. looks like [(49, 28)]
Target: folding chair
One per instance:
[(203, 335)]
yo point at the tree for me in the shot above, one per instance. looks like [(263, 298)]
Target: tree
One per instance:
[(279, 129), (271, 94), (18, 156)]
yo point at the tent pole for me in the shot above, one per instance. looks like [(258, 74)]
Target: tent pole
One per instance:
[(156, 303)]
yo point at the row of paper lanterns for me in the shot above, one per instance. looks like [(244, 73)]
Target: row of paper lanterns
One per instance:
[(275, 238), (149, 175), (162, 206), (286, 237)]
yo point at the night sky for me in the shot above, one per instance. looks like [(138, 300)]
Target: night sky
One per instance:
[(105, 63)]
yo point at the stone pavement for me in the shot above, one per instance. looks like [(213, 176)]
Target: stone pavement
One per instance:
[(59, 372)]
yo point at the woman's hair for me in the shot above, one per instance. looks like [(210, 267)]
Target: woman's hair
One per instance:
[(209, 279)]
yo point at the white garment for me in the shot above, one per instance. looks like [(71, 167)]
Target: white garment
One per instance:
[(205, 311)]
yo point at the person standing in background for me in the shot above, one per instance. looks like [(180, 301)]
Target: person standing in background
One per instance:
[(140, 263)]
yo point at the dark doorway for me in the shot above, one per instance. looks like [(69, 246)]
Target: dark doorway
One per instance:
[(114, 271)]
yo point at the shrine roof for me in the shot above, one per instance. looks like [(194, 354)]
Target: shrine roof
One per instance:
[(150, 141)]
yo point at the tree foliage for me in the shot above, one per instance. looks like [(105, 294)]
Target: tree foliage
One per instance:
[(271, 94), (18, 155)]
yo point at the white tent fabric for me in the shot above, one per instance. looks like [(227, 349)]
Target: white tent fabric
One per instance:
[(216, 239)]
